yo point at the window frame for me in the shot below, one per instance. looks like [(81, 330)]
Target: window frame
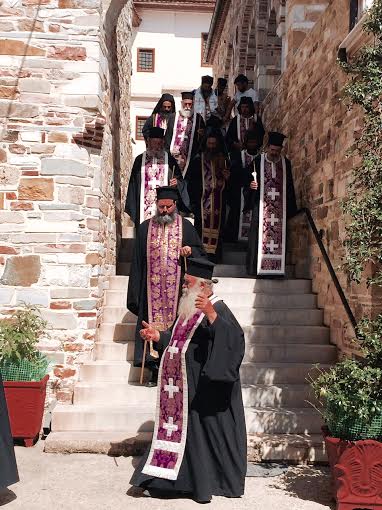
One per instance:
[(139, 69), (138, 135), (202, 46)]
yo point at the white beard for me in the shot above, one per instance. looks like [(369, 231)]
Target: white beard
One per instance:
[(186, 113), (187, 308)]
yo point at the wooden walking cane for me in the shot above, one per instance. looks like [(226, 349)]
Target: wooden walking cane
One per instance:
[(143, 362)]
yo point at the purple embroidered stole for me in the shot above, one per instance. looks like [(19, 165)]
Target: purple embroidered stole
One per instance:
[(272, 217), (211, 203), (154, 173), (163, 272), (171, 417), (159, 122), (182, 140), (245, 218)]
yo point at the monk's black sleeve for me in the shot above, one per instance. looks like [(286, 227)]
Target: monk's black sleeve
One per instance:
[(164, 340), (227, 347), (192, 239)]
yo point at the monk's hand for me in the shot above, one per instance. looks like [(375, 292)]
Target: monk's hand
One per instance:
[(254, 185), (149, 333), (173, 182), (203, 303), (185, 251)]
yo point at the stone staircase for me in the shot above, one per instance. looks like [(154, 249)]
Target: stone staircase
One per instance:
[(285, 336)]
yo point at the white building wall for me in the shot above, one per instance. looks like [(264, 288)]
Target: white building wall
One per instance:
[(176, 38)]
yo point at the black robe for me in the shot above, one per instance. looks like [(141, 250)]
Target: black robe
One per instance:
[(194, 182), (137, 290), (252, 202), (8, 467), (215, 458), (133, 198), (197, 139), (169, 129), (232, 135)]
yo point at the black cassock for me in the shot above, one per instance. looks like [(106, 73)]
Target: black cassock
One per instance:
[(215, 458), (137, 290), (252, 202), (133, 198), (168, 132), (8, 467)]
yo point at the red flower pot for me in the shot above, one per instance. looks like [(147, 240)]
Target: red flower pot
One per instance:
[(356, 468), (25, 401)]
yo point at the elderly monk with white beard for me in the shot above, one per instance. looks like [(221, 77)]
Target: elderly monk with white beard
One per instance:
[(187, 133), (156, 272), (199, 442)]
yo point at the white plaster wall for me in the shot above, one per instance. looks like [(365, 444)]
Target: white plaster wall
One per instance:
[(176, 38)]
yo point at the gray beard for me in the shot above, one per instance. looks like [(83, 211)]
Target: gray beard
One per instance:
[(186, 113), (186, 307), (166, 219)]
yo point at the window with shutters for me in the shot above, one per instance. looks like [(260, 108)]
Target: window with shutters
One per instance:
[(146, 60)]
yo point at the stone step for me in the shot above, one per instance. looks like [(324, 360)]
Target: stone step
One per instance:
[(109, 332), (282, 395), (294, 448), (293, 353), (283, 421), (118, 282), (97, 393), (136, 418), (114, 351), (254, 300), (103, 370), (244, 315), (279, 286), (277, 373), (130, 418)]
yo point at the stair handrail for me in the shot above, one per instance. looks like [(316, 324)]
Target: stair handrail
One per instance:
[(329, 265)]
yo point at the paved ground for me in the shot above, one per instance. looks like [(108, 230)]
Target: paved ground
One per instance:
[(98, 482)]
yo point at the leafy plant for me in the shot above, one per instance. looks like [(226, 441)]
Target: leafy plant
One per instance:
[(20, 358)]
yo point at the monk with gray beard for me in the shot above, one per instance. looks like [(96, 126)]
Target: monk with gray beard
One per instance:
[(199, 442), (156, 271)]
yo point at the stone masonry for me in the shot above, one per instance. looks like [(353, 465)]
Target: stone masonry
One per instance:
[(60, 192)]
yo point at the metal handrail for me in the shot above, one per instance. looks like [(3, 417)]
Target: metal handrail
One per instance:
[(324, 253)]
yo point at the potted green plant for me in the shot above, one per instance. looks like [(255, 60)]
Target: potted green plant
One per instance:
[(24, 371)]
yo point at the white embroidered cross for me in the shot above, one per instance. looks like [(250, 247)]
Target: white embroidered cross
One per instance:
[(272, 246), (272, 220), (173, 349), (170, 388), (170, 426), (154, 183), (273, 193)]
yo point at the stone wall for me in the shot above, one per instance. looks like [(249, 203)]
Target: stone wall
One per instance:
[(60, 193), (306, 105)]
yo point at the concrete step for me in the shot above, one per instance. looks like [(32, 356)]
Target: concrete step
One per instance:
[(294, 353), (254, 300), (122, 393), (293, 448), (114, 351), (283, 421), (282, 395), (279, 334), (111, 332), (102, 370), (277, 373), (239, 270), (115, 314), (118, 282), (131, 419), (282, 286)]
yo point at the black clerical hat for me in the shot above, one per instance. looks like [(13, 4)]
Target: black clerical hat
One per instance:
[(207, 79), (222, 82), (200, 267), (275, 138), (156, 132), (241, 78), (187, 95), (167, 192)]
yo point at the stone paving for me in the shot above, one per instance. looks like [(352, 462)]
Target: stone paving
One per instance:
[(99, 482)]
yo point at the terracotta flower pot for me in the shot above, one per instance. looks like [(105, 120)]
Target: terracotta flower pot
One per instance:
[(25, 401), (356, 468)]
